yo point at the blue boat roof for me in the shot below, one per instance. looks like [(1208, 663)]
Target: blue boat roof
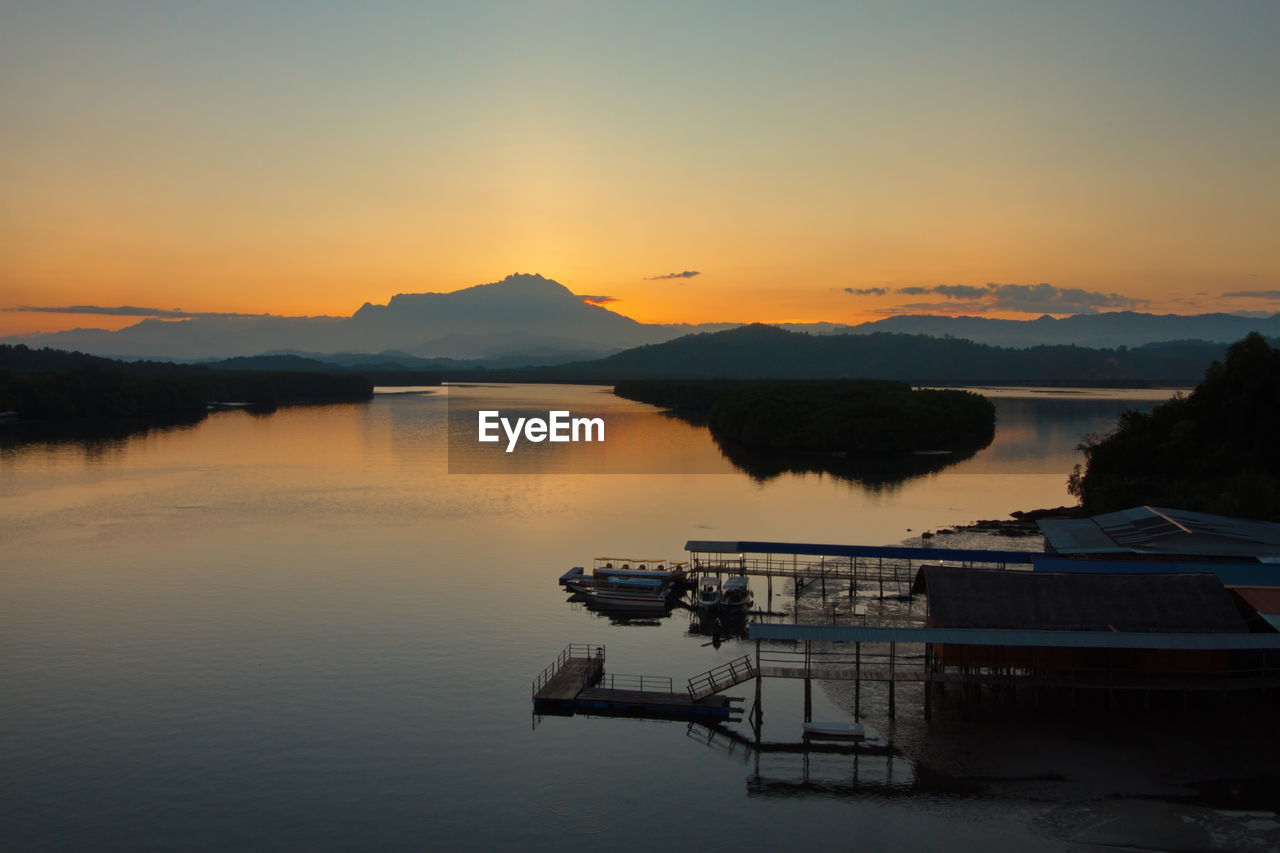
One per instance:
[(966, 555), (627, 580)]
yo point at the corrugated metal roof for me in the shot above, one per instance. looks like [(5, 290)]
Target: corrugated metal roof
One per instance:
[(888, 551), (1160, 530), (1231, 574), (1264, 599), (1063, 601), (1021, 637)]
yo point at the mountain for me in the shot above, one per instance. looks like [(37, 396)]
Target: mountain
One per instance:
[(528, 319), (525, 305), (523, 318), (1111, 329), (760, 352)]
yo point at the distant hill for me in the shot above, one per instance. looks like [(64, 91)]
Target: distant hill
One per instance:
[(766, 352), (1111, 329), (526, 319)]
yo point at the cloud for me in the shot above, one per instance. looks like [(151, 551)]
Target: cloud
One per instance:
[(961, 291), (127, 311), (1254, 294), (596, 300), (934, 308), (1040, 298), (685, 274), (1047, 299), (867, 291)]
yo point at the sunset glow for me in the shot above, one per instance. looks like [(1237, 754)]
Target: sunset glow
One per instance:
[(302, 160)]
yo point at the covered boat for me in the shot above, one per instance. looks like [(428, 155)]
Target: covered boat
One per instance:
[(709, 593), (631, 593), (735, 595), (623, 567)]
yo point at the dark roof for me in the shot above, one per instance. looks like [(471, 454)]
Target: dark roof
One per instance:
[(980, 598), (1163, 531)]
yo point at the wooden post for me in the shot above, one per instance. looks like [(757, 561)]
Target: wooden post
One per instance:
[(808, 686), (893, 648), (759, 706), (857, 680), (928, 681)]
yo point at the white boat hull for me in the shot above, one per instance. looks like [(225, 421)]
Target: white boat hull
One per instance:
[(843, 731)]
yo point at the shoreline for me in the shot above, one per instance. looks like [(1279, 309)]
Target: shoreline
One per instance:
[(1021, 523)]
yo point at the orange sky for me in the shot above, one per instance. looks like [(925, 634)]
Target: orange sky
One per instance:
[(303, 161)]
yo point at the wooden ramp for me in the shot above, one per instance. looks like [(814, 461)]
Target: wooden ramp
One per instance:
[(722, 677)]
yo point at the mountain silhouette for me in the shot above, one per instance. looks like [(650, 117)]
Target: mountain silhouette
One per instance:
[(529, 311), (529, 319), (767, 352)]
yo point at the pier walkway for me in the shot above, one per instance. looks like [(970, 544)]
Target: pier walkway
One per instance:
[(576, 682)]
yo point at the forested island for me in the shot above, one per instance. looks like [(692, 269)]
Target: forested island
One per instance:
[(1216, 450), (49, 385), (855, 416)]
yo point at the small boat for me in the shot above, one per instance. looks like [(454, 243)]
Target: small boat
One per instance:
[(709, 593), (835, 731), (625, 592), (735, 595)]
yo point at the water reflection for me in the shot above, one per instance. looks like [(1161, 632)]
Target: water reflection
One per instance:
[(874, 473), (92, 437), (719, 626)]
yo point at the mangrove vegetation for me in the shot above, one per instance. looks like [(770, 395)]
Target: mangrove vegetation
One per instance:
[(1215, 450)]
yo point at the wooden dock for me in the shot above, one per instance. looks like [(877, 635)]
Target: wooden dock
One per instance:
[(576, 683), (572, 676)]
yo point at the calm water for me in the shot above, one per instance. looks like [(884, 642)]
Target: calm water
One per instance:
[(300, 631)]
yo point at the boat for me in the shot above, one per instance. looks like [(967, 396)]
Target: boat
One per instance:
[(709, 593), (624, 592), (573, 574), (835, 731), (615, 567), (735, 595)]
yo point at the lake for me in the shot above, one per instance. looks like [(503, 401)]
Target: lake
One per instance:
[(301, 631)]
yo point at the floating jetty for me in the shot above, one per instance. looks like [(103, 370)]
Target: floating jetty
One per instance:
[(577, 683)]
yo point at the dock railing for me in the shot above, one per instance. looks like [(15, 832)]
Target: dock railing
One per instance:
[(573, 650), (638, 683), (722, 677), (868, 659)]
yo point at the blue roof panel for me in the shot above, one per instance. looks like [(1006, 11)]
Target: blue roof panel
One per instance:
[(1005, 637)]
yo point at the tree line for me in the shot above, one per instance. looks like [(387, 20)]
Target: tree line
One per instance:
[(48, 384), (1215, 450)]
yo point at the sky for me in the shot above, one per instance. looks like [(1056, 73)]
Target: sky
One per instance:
[(683, 162)]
